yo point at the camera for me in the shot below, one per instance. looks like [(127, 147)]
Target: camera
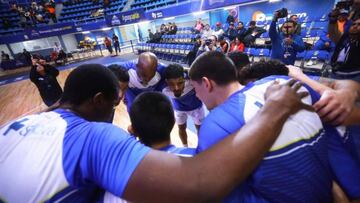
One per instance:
[(207, 42), (282, 13), (344, 5)]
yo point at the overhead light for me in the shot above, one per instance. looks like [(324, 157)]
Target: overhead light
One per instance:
[(272, 1), (85, 32), (199, 13), (230, 7), (106, 28), (144, 22), (170, 18)]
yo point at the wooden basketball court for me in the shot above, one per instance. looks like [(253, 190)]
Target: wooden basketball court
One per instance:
[(22, 98)]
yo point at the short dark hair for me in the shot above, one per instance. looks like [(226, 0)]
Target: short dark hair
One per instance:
[(262, 69), (120, 72), (240, 59), (174, 71), (86, 81), (252, 22), (293, 16), (215, 66), (152, 117)]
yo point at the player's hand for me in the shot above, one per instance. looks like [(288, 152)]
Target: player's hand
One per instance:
[(287, 96), (335, 106), (295, 72)]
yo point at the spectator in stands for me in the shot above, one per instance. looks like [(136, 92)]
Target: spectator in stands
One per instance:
[(230, 32), (163, 29), (198, 26), (44, 76), (27, 55), (285, 44), (153, 125), (224, 44), (345, 60), (206, 32), (342, 20), (50, 7), (218, 30), (13, 7), (210, 44), (183, 98), (230, 18), (193, 53), (237, 45), (240, 60), (4, 56), (355, 10), (116, 44), (295, 18), (240, 30), (252, 33), (173, 28), (324, 43)]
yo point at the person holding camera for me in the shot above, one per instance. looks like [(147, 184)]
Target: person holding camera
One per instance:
[(345, 60), (285, 43), (210, 44), (44, 76)]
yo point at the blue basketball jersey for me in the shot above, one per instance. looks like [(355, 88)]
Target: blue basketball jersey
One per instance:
[(187, 100), (157, 83), (180, 151), (295, 169), (58, 156)]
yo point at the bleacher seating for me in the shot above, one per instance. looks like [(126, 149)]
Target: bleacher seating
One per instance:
[(171, 47), (151, 4), (82, 11)]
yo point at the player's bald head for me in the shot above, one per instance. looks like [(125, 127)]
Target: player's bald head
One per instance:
[(149, 59), (146, 66)]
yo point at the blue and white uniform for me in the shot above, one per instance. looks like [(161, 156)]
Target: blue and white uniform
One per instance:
[(57, 156), (180, 151), (186, 105), (157, 83), (295, 169)]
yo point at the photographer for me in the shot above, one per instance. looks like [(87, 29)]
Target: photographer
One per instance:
[(345, 60), (44, 76), (210, 44), (285, 43)]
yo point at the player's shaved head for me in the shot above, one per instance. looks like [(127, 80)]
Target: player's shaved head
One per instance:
[(146, 66)]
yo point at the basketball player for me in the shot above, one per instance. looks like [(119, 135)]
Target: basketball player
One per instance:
[(153, 125), (183, 98), (296, 168), (70, 153), (145, 75)]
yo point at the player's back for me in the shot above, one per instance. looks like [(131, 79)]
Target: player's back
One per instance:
[(295, 169)]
